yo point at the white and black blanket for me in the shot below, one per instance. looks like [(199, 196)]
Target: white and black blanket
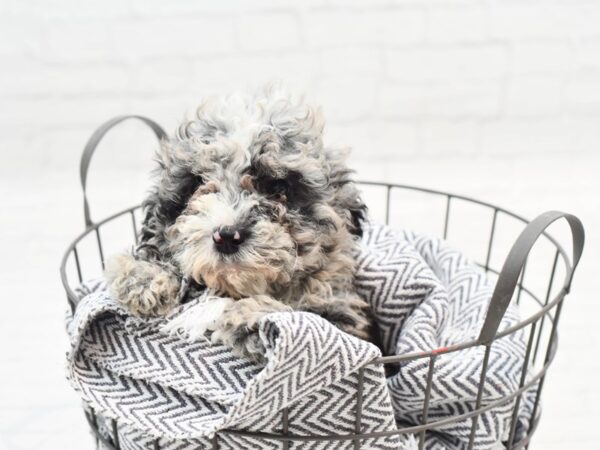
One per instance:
[(424, 296)]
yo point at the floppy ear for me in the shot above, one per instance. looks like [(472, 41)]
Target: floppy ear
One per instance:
[(358, 214), (346, 197), (174, 185), (352, 207)]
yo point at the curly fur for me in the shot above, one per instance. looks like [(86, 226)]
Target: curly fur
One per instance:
[(258, 164), (144, 287)]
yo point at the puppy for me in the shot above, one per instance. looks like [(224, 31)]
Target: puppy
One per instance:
[(249, 203)]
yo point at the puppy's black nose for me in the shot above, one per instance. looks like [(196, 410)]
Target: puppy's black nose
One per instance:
[(228, 239)]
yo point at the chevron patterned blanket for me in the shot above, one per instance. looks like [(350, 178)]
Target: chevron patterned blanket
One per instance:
[(161, 388)]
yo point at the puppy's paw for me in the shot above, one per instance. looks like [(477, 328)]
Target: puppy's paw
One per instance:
[(238, 326), (198, 319), (144, 288)]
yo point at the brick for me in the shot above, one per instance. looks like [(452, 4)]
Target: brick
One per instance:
[(588, 54), (176, 7), (77, 41), (28, 78), (541, 57), (452, 99), (437, 3), (6, 8), (15, 159), (585, 134), (463, 99), (450, 137), (457, 24), (584, 19), (352, 60), (156, 77), (18, 115), (70, 9), (22, 76), (19, 38), (386, 27), (161, 8), (447, 63), (526, 20), (347, 99), (173, 37), (534, 95), (402, 101), (90, 80), (52, 148), (375, 140), (518, 136), (583, 93), (268, 31), (168, 110), (518, 21), (293, 68), (362, 3)]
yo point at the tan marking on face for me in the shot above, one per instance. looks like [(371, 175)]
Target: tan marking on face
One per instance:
[(247, 183)]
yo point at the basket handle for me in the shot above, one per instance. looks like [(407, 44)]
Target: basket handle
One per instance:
[(90, 148), (509, 275)]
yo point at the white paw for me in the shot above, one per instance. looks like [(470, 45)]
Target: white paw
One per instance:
[(194, 322)]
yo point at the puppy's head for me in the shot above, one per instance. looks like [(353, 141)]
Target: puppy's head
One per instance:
[(249, 201)]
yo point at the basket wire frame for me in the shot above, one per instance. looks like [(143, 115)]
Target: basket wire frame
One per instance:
[(549, 310)]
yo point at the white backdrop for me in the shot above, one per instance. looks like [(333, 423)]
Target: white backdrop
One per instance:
[(397, 79), (495, 99)]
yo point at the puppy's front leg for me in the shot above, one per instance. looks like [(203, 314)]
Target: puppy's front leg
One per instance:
[(146, 288), (238, 326)]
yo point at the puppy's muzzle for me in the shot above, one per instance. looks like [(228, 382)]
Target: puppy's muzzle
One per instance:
[(228, 239)]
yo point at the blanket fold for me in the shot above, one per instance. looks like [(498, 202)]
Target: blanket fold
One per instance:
[(424, 296)]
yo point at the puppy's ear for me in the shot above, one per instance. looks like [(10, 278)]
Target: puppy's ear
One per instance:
[(358, 214), (346, 197), (174, 185), (153, 222), (353, 208)]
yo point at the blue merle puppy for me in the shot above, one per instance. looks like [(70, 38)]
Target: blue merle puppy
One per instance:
[(250, 204)]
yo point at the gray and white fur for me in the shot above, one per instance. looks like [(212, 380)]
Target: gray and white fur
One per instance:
[(250, 203)]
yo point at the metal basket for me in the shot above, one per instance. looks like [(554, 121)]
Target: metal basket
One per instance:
[(544, 303)]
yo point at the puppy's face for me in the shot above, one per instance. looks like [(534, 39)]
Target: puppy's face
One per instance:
[(258, 205)]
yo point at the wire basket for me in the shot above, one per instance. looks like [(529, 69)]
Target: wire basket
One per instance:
[(540, 301)]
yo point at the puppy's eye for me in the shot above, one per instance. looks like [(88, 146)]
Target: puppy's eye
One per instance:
[(277, 188)]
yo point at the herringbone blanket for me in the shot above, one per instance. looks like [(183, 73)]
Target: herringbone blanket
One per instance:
[(424, 296)]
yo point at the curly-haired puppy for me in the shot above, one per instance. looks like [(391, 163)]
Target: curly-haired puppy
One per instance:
[(249, 203)]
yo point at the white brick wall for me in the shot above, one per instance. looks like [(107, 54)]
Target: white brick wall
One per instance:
[(396, 78)]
